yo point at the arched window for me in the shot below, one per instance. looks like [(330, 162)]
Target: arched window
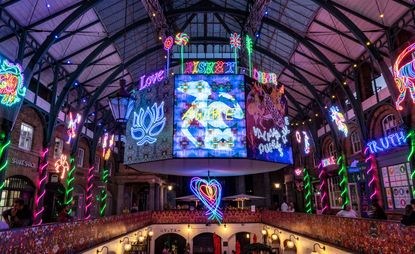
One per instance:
[(389, 125), (332, 150), (16, 187), (356, 144)]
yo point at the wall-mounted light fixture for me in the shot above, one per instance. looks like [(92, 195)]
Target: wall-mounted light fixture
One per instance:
[(248, 236), (290, 244), (277, 185), (314, 248), (127, 245), (102, 249)]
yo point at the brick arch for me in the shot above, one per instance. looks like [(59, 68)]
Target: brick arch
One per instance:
[(326, 140), (85, 144), (353, 128), (376, 117)]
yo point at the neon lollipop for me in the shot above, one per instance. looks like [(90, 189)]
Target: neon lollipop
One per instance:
[(168, 43), (181, 40)]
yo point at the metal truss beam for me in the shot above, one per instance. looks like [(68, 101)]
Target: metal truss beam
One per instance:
[(156, 14), (256, 13)]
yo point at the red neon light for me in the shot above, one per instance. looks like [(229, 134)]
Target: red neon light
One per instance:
[(404, 74)]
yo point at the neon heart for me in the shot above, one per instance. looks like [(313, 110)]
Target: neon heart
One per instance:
[(209, 192)]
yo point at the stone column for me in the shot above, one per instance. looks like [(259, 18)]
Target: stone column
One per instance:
[(240, 185), (120, 198), (151, 195), (157, 197), (161, 200), (165, 201)]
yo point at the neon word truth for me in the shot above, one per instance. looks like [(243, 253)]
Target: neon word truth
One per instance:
[(404, 74), (388, 142), (11, 83), (148, 124), (210, 67), (328, 162), (265, 77), (149, 80)]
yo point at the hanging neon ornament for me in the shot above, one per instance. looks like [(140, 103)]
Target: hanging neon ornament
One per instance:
[(88, 198), (107, 145), (306, 143), (404, 74), (323, 188), (69, 184), (338, 118), (297, 171), (307, 189), (249, 48), (5, 161), (209, 192), (298, 137), (181, 40), (235, 42), (37, 215), (411, 156), (12, 88), (344, 186), (168, 43), (72, 126), (62, 166), (372, 173)]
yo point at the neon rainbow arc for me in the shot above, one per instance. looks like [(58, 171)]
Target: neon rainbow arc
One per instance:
[(209, 192), (12, 88)]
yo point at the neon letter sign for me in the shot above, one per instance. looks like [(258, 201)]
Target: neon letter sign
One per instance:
[(306, 143), (404, 73), (146, 81), (148, 124), (209, 192), (328, 162), (338, 118), (209, 67), (11, 83), (107, 145), (72, 126), (394, 140), (265, 77)]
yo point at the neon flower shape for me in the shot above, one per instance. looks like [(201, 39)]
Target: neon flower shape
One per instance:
[(148, 124), (209, 192), (338, 118), (107, 145), (404, 74), (306, 143), (62, 166), (72, 126), (235, 41), (181, 39), (168, 43), (11, 83), (249, 44)]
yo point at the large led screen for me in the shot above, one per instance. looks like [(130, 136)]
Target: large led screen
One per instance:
[(149, 131), (267, 123), (209, 116)]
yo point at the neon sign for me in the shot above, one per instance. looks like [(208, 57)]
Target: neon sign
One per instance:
[(209, 192), (306, 143), (328, 162), (307, 188), (343, 183), (146, 81), (62, 166), (11, 83), (148, 124), (338, 118), (107, 145), (249, 48), (404, 73), (72, 126), (297, 171), (323, 187), (391, 141), (298, 136), (265, 77), (210, 67), (273, 138)]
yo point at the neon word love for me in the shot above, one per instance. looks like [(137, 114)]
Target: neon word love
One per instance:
[(388, 142), (146, 81), (209, 67), (209, 192), (265, 77), (11, 83), (328, 162)]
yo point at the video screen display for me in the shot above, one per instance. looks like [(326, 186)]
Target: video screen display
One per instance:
[(209, 116), (267, 123), (149, 133)]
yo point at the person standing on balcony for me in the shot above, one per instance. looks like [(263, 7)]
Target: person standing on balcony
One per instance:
[(347, 212), (284, 205)]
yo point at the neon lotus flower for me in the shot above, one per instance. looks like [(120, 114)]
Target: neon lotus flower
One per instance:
[(148, 124), (404, 74), (338, 118), (11, 83)]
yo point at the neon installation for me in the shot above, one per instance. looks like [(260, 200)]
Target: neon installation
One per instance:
[(3, 166), (322, 175), (235, 42), (328, 162), (306, 143), (148, 124), (209, 192), (62, 166), (181, 40), (404, 74), (72, 126), (151, 79), (249, 48), (344, 185), (168, 44), (387, 142), (298, 137), (372, 172), (307, 188), (210, 67), (265, 77), (12, 88), (411, 156), (338, 118)]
